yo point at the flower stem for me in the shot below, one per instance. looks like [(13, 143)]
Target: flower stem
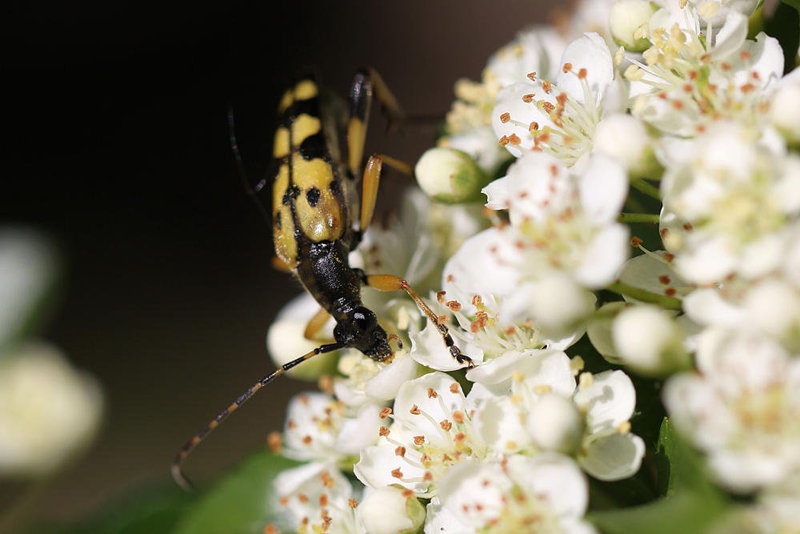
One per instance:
[(669, 303), (648, 218), (646, 188)]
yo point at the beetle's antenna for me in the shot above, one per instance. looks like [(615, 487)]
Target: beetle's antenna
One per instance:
[(177, 464), (252, 191)]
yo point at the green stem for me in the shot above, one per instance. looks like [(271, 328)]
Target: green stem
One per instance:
[(670, 303), (648, 218), (646, 188)]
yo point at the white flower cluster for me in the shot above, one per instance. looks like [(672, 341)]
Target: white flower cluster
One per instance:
[(665, 118)]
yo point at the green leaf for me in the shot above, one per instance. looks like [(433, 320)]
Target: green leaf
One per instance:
[(692, 502), (237, 504), (153, 510)]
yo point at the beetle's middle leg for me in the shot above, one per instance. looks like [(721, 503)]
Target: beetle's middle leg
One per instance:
[(389, 282)]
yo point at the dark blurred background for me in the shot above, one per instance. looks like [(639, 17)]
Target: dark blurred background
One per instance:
[(117, 147)]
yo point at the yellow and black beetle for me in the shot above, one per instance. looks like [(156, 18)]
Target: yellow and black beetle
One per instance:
[(314, 203)]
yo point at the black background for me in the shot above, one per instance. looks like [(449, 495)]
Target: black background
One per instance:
[(117, 147)]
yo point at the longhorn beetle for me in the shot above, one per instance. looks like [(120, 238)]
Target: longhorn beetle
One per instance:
[(318, 218)]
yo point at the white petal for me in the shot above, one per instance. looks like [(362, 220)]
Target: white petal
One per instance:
[(604, 256), (614, 456), (589, 52), (608, 402), (555, 478), (603, 188)]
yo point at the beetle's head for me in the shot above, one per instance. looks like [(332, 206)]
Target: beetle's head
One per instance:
[(360, 329)]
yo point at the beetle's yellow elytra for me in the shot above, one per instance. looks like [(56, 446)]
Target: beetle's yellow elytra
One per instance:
[(305, 89), (318, 210), (280, 148)]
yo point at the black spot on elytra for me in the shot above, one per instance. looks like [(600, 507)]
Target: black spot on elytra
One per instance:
[(312, 195), (277, 219)]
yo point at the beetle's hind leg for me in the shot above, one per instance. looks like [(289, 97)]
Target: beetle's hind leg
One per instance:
[(389, 282)]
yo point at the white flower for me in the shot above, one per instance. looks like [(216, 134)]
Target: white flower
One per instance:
[(316, 497), (731, 200), (563, 239), (468, 127), (48, 410), (741, 408), (689, 79), (322, 429), (390, 510), (432, 431), (558, 117), (543, 494), (508, 416)]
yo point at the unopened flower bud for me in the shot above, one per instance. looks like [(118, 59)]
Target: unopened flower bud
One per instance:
[(555, 424), (48, 410), (390, 510), (649, 340), (560, 305), (626, 20), (286, 340), (625, 138), (785, 112), (450, 176)]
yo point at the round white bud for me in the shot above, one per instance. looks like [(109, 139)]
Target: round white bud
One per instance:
[(625, 138), (626, 20), (286, 340), (48, 410), (388, 510), (785, 112), (449, 175), (555, 424), (561, 305), (649, 340)]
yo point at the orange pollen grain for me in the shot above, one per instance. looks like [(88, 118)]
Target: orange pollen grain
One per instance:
[(306, 440), (458, 416), (432, 393), (567, 67), (533, 126), (323, 500), (670, 291), (548, 107), (636, 241), (582, 74), (302, 498), (514, 139), (532, 76), (505, 117), (400, 451), (353, 503), (383, 431), (547, 86), (454, 387), (419, 440), (386, 412), (664, 279), (460, 437), (414, 410), (454, 305), (397, 473), (528, 98), (446, 425)]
